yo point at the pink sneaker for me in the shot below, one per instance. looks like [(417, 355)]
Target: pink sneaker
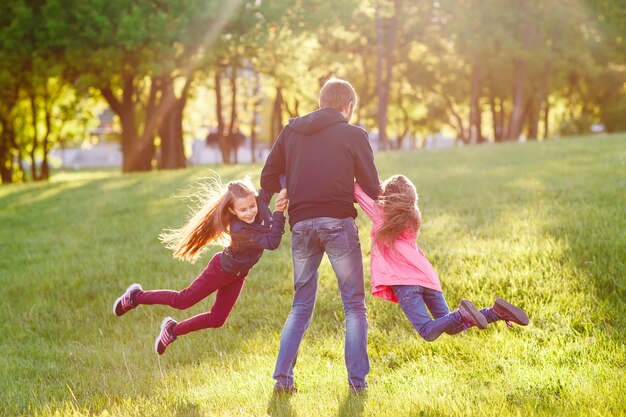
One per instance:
[(166, 336), (126, 301)]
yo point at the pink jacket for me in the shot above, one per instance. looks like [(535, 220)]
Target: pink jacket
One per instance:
[(407, 265)]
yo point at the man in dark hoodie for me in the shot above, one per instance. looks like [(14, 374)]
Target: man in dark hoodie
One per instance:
[(322, 154)]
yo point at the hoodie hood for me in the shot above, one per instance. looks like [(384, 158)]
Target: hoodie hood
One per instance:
[(314, 122)]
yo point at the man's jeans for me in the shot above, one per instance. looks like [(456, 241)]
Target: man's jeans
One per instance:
[(415, 299), (339, 239)]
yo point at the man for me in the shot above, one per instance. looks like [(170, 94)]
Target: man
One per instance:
[(321, 155)]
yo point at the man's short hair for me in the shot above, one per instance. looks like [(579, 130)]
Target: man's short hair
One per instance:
[(337, 94)]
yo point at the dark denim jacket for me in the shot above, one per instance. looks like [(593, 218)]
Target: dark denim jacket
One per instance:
[(250, 240)]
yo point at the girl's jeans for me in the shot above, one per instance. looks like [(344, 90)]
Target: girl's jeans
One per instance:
[(213, 278), (339, 239), (415, 300)]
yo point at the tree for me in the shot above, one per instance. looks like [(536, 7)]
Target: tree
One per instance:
[(142, 56)]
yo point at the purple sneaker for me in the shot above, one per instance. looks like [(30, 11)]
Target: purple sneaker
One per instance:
[(126, 301), (510, 313), (166, 336), (471, 316)]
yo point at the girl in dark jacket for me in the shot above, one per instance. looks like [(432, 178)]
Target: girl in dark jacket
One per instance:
[(234, 216)]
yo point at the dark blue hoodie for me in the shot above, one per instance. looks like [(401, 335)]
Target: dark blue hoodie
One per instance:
[(321, 155)]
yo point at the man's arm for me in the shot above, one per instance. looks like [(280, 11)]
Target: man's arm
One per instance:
[(365, 170), (274, 166)]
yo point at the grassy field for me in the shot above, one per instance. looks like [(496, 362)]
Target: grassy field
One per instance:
[(541, 224)]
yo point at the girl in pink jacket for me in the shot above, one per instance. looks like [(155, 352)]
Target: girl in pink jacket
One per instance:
[(402, 274)]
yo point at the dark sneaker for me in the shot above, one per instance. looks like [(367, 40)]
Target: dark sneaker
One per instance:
[(471, 316), (285, 389), (126, 301), (354, 390), (166, 336), (509, 313)]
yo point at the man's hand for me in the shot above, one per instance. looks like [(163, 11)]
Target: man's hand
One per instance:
[(282, 201), (282, 195), (281, 205)]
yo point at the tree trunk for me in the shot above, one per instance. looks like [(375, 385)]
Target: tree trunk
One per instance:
[(475, 120), (293, 112), (406, 123), (517, 114), (223, 141), (497, 115), (155, 109), (6, 148), (124, 109), (384, 68), (546, 118), (461, 133), (8, 145), (479, 125), (533, 131), (528, 111), (255, 105), (129, 137), (171, 128), (365, 95), (277, 116), (139, 151), (533, 119), (166, 131), (18, 155), (494, 116), (5, 174), (504, 128), (6, 157), (233, 139), (516, 123), (45, 169), (35, 143), (380, 115)]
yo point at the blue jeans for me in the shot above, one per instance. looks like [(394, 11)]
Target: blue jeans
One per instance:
[(339, 239), (415, 299)]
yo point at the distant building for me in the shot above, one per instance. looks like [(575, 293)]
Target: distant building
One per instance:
[(100, 155), (203, 153), (97, 152)]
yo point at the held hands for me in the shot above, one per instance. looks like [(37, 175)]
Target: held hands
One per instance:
[(282, 201)]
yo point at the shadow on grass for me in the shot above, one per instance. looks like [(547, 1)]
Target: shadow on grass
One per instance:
[(352, 405), (188, 410), (280, 405)]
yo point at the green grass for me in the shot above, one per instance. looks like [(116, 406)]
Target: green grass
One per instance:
[(541, 224)]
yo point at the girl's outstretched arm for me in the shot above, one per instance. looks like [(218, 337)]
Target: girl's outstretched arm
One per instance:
[(367, 204), (271, 240)]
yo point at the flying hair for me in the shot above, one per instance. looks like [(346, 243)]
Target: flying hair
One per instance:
[(400, 211), (209, 223)]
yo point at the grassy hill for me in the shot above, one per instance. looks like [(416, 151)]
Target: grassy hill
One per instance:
[(541, 224)]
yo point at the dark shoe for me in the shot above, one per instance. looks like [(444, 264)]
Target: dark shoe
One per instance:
[(358, 390), (509, 313), (126, 301), (471, 316), (285, 389), (166, 336)]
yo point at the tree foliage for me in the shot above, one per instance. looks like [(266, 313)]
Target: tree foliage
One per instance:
[(486, 70)]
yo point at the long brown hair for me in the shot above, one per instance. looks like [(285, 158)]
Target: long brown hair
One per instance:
[(210, 223), (401, 213)]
